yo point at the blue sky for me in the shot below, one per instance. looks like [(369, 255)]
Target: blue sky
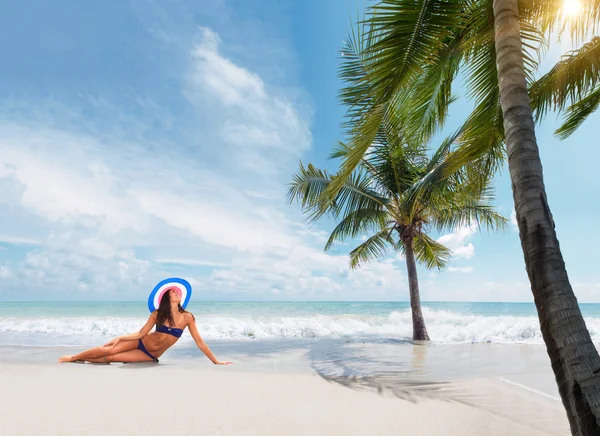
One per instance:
[(146, 139)]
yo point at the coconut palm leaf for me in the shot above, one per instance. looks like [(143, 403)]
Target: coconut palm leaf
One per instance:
[(431, 253), (308, 186), (374, 247), (408, 36), (424, 106), (341, 150), (481, 149), (357, 95), (548, 17), (395, 167), (356, 194), (394, 53), (356, 223), (572, 78), (403, 38), (362, 136), (480, 51), (577, 113), (442, 165), (467, 210)]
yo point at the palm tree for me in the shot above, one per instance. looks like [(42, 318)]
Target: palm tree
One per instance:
[(407, 62), (380, 198), (574, 357)]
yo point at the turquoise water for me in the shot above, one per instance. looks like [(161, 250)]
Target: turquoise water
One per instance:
[(253, 308), (88, 322), (331, 338)]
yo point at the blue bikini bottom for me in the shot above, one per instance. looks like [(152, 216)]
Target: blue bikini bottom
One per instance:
[(142, 348)]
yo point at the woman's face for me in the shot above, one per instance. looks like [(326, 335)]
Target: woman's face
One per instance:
[(175, 295)]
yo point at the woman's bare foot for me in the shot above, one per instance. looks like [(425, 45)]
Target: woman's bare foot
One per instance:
[(66, 359)]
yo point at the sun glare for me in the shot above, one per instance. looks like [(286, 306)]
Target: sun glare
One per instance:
[(571, 8)]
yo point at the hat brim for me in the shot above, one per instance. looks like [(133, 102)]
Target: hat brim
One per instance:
[(166, 285)]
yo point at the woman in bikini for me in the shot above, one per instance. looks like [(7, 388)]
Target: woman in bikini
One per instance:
[(170, 319)]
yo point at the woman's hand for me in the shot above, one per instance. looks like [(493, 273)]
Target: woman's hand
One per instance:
[(112, 343), (226, 362)]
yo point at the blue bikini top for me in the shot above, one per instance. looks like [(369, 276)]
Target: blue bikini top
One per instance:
[(173, 331)]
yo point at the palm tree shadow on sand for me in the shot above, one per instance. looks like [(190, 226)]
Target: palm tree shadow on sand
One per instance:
[(416, 384), (411, 383)]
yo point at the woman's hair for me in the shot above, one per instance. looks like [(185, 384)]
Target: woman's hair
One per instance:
[(164, 310)]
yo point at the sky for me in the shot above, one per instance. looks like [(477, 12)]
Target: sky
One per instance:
[(141, 140)]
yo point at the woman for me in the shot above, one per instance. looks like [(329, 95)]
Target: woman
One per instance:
[(170, 320)]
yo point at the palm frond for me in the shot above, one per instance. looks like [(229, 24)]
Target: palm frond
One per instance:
[(307, 187), (395, 164), (341, 150), (423, 107), (481, 150), (362, 137), (310, 183), (444, 164), (550, 18), (577, 113), (356, 223), (568, 81), (480, 50), (444, 149), (407, 37), (466, 209), (373, 248), (357, 94), (357, 193), (431, 253), (396, 42), (483, 131)]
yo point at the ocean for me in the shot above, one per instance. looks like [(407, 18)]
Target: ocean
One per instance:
[(348, 339), (85, 323)]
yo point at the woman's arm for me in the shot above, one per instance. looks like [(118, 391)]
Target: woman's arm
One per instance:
[(200, 342), (134, 336)]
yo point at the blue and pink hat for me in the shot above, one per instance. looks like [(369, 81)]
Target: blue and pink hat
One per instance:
[(165, 286)]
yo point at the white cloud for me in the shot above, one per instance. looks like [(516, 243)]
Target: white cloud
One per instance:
[(307, 273), (252, 121), (67, 187), (191, 262), (5, 272), (215, 223), (466, 269), (18, 240), (455, 241), (122, 205), (513, 221)]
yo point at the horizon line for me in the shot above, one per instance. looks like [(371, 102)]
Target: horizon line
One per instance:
[(280, 301)]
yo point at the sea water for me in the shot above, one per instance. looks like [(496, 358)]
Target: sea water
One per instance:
[(500, 340), (83, 323)]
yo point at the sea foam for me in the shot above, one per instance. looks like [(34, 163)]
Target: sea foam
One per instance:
[(443, 326)]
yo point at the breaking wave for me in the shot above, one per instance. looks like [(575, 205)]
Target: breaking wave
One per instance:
[(443, 326)]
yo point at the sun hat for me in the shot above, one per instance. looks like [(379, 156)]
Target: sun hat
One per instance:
[(166, 285)]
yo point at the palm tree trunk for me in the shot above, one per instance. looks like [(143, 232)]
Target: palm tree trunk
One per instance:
[(574, 357), (419, 329)]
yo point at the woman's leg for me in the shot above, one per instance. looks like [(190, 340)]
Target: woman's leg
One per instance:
[(125, 357), (100, 352), (129, 357)]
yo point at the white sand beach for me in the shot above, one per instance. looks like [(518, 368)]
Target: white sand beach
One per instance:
[(199, 399)]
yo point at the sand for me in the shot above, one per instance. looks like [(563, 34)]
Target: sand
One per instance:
[(202, 399)]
